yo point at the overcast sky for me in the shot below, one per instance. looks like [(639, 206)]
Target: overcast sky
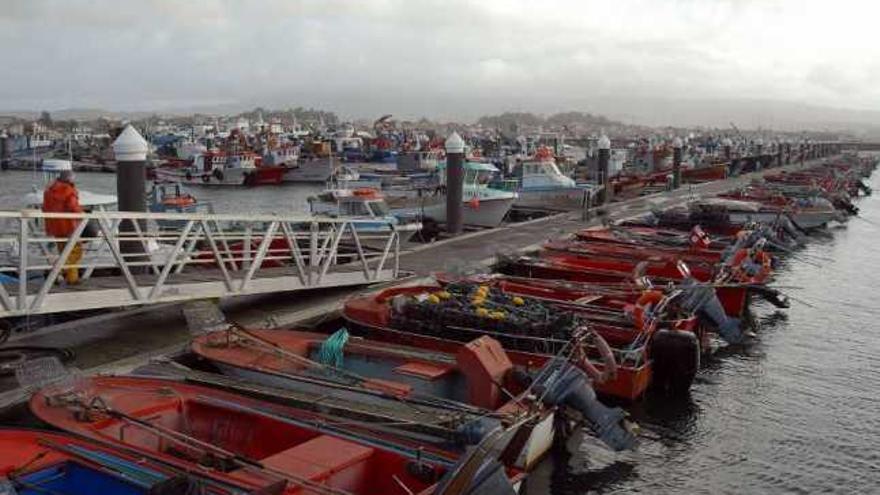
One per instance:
[(447, 59)]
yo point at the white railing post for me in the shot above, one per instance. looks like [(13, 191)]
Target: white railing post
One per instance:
[(23, 241), (313, 251)]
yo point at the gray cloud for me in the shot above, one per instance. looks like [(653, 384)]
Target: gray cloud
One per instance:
[(452, 58)]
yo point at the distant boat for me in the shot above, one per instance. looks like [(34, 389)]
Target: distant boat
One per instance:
[(543, 186), (220, 168), (173, 198), (484, 206), (365, 204)]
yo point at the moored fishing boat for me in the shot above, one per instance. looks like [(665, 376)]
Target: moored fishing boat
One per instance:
[(531, 331), (484, 206), (543, 186), (239, 440), (40, 463), (479, 374), (365, 204)]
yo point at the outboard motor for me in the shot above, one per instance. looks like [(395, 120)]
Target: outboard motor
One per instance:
[(561, 383), (701, 299), (786, 226)]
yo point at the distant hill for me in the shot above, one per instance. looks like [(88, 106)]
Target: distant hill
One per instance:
[(77, 114), (509, 122)]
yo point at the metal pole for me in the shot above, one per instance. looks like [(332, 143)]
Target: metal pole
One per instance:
[(454, 184)]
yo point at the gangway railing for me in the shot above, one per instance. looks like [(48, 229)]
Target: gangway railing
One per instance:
[(128, 260)]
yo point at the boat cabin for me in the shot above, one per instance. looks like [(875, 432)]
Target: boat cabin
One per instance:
[(544, 174), (362, 202)]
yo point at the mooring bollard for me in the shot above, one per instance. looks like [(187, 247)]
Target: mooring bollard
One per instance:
[(454, 183), (676, 162), (131, 149), (604, 145)]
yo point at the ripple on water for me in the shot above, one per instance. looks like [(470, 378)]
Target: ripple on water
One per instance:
[(797, 412)]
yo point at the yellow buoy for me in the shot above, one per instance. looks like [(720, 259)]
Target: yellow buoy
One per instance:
[(497, 315), (443, 294), (518, 301), (433, 299), (482, 312)]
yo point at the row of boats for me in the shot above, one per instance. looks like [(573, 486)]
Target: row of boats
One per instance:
[(457, 385)]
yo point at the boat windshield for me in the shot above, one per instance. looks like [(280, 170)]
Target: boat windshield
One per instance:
[(380, 208), (354, 209), (477, 177)]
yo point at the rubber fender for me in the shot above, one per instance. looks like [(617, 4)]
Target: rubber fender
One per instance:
[(561, 383), (675, 356)]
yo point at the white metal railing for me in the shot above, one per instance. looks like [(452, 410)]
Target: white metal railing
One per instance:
[(206, 255)]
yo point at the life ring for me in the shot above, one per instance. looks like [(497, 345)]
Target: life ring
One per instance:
[(186, 200), (366, 192), (647, 300), (609, 363), (760, 257), (206, 178)]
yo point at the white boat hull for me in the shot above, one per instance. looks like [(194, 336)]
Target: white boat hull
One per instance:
[(552, 199), (318, 170), (230, 177), (488, 212)]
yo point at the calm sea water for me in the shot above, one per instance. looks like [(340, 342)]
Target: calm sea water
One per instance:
[(797, 412), (283, 198)]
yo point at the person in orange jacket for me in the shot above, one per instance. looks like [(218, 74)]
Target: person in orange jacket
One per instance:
[(62, 197)]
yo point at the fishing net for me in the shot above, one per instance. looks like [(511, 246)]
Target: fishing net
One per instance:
[(462, 311), (47, 372), (331, 352)]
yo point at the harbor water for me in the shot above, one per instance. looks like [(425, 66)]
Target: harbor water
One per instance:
[(794, 412)]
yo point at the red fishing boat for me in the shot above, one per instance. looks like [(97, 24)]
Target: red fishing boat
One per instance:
[(478, 375), (239, 440), (695, 239), (40, 463), (733, 295), (428, 317), (600, 249)]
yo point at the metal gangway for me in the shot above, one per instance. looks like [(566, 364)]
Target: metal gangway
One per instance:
[(129, 260)]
